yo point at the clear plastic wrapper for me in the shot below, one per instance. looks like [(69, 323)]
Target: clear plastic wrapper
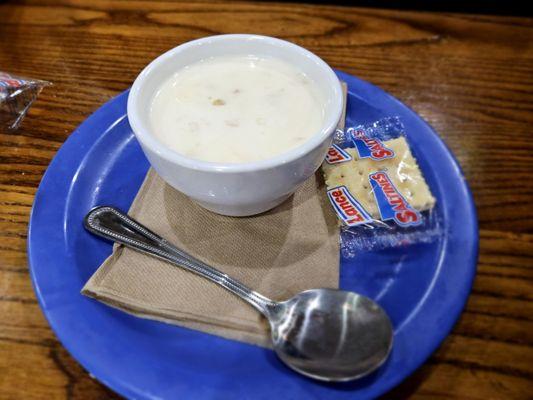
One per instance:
[(16, 96), (377, 189)]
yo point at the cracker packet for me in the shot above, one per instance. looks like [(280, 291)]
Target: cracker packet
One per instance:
[(377, 190), (16, 96)]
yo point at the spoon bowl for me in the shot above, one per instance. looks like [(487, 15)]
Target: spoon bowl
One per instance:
[(331, 335)]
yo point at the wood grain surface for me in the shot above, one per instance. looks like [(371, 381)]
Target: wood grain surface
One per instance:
[(469, 76)]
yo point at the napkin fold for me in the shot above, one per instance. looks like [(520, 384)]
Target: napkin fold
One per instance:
[(291, 248)]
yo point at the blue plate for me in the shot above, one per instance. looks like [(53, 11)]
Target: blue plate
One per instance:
[(423, 287)]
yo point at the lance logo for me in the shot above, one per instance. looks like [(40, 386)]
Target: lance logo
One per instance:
[(347, 208), (336, 155)]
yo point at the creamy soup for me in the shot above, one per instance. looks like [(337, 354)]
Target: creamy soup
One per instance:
[(236, 109)]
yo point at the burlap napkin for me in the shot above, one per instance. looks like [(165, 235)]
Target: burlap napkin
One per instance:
[(279, 253)]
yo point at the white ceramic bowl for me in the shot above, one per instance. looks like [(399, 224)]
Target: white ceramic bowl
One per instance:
[(235, 189)]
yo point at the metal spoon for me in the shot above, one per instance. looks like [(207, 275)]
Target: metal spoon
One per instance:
[(326, 334)]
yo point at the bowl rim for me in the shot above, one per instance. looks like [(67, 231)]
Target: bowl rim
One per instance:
[(149, 141)]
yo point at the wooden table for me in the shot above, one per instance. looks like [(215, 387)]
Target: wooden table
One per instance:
[(469, 76)]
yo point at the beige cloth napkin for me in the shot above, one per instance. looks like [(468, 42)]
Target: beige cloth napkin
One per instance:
[(279, 253)]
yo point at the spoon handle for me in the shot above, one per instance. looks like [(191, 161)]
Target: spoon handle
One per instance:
[(112, 224)]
